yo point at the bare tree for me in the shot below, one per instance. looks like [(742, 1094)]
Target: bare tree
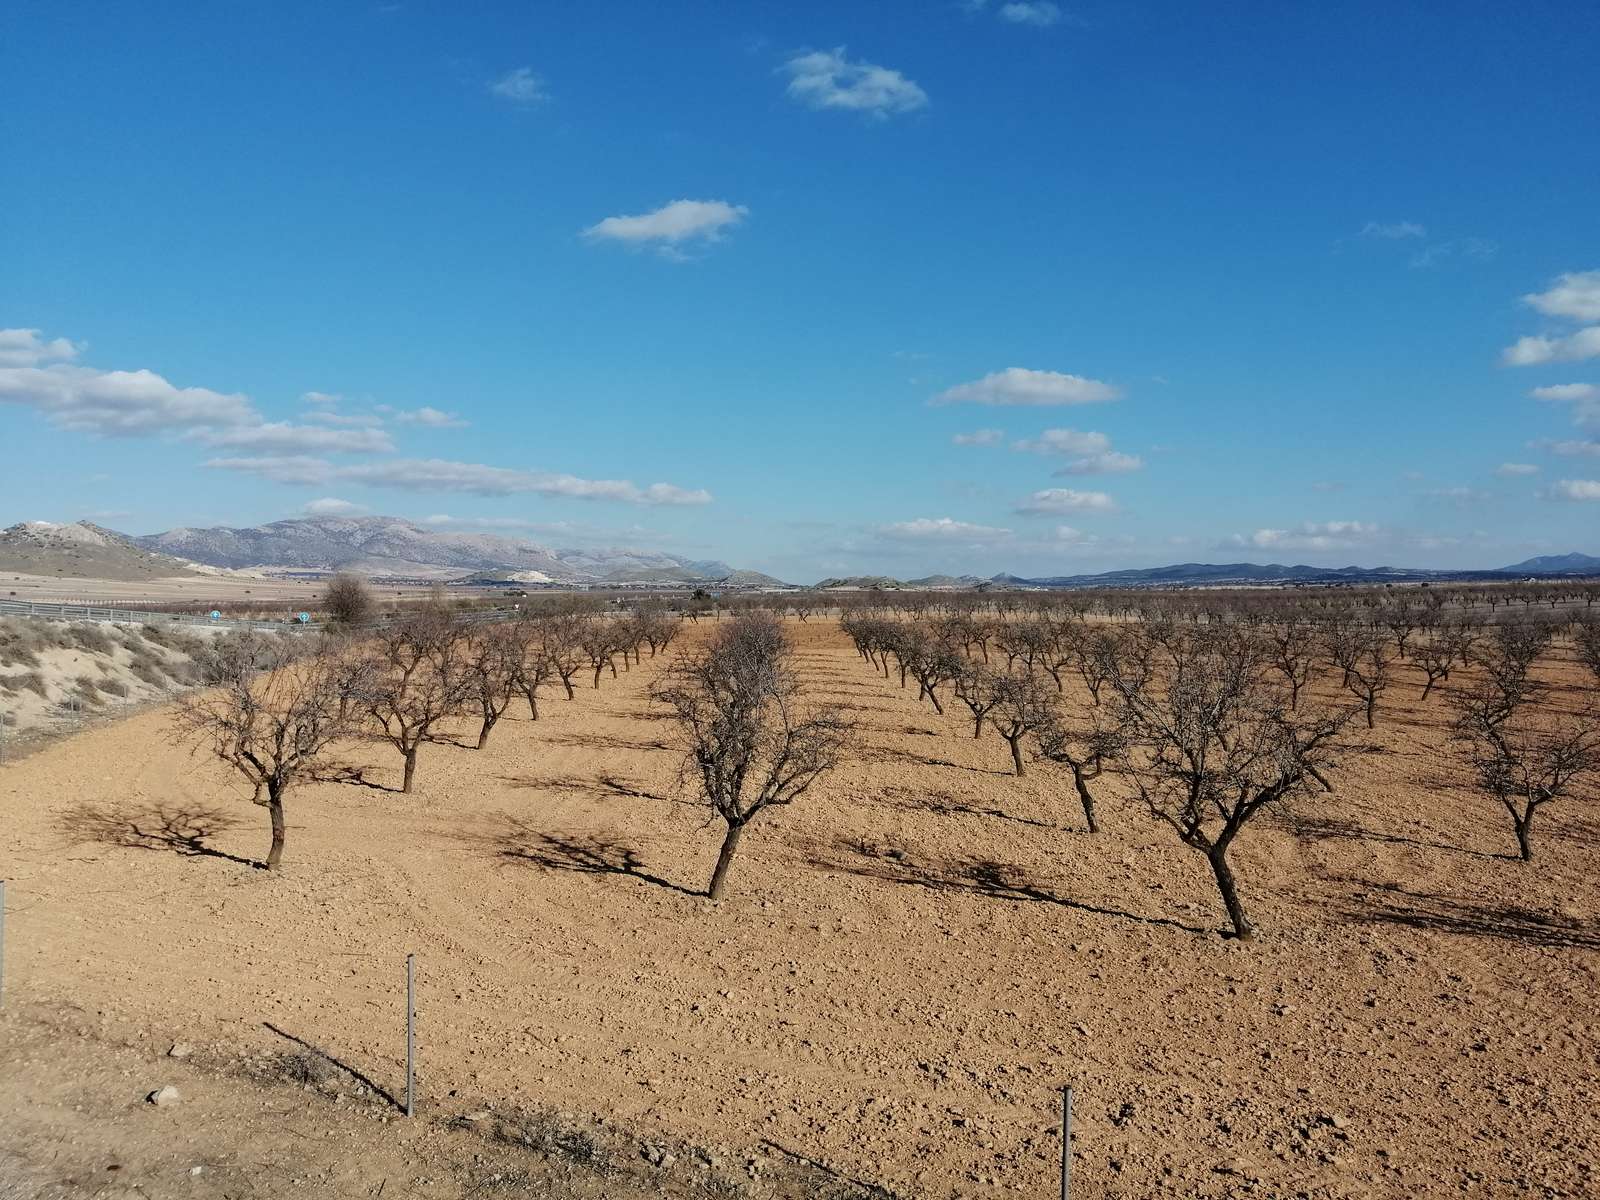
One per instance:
[(1022, 705), (348, 601), (1292, 653), (421, 683), (1367, 673), (1084, 749), (751, 744), (1586, 636), (601, 641), (977, 687), (1521, 757), (495, 665), (563, 644), (270, 717), (1213, 745)]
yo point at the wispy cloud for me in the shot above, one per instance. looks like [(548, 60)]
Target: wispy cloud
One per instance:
[(980, 437), (1584, 398), (825, 79), (432, 418), (332, 506), (1038, 13), (282, 437), (1087, 452), (942, 529), (519, 86), (1312, 535), (1512, 470), (441, 475), (28, 348), (1021, 386), (1065, 500), (1393, 230), (1575, 489), (672, 226)]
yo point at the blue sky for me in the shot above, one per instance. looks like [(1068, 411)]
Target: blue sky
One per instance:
[(816, 289)]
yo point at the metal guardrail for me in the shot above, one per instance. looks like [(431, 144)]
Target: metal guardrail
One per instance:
[(141, 616)]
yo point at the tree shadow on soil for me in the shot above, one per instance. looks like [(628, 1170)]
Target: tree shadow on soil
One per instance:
[(179, 829), (973, 876), (598, 741), (588, 854), (318, 1052), (858, 1189), (355, 776), (894, 754), (606, 785), (1323, 828), (944, 806), (1391, 904)]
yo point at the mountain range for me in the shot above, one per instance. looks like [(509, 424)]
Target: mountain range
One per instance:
[(390, 546)]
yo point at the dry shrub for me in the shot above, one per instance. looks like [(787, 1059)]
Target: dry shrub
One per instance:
[(546, 1132), (25, 681)]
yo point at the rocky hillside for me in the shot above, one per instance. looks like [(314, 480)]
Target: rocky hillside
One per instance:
[(391, 546), (82, 551)]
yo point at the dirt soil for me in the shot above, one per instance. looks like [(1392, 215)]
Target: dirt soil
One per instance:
[(909, 963)]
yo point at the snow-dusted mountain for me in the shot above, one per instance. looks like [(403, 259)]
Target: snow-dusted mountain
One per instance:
[(391, 546)]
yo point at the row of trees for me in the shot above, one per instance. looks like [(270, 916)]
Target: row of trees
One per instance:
[(277, 704), (1210, 723)]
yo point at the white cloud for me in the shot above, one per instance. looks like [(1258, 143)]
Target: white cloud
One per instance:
[(942, 529), (321, 397), (1575, 295), (120, 403), (1065, 441), (1312, 535), (672, 225), (1112, 462), (441, 475), (1040, 13), (520, 86), (1511, 470), (1020, 386), (1575, 489), (827, 79), (1474, 248), (1393, 230), (1584, 398), (980, 437), (433, 418), (1090, 453), (281, 437), (1573, 448), (25, 348), (1459, 495), (1535, 350), (1062, 500), (348, 420), (331, 506)]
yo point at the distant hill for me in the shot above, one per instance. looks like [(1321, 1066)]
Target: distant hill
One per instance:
[(884, 582), (1556, 564), (392, 546), (82, 550)]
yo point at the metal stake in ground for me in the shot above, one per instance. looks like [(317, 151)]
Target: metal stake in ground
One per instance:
[(1066, 1143), (411, 1032), (2, 943)]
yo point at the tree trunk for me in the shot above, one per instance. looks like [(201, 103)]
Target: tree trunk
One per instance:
[(1525, 837), (937, 707), (1230, 895), (719, 877), (1372, 704), (411, 770), (566, 682), (532, 697), (977, 724), (275, 812), (1084, 797), (488, 725), (1016, 752), (598, 668), (1294, 694)]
